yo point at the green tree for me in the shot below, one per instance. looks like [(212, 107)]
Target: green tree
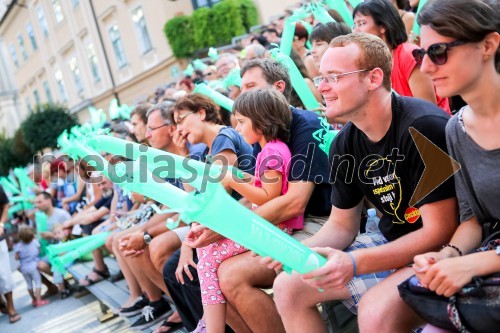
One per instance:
[(43, 126), (180, 35), (14, 152)]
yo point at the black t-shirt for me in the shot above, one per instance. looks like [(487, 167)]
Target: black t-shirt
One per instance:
[(104, 202), (364, 168), (4, 200)]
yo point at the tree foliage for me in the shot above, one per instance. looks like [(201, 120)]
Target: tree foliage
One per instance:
[(210, 27), (43, 126)]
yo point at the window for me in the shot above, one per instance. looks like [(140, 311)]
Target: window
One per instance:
[(14, 55), (43, 21), (76, 74), (141, 29), (20, 41), (31, 35), (75, 2), (28, 105), (116, 40), (204, 3), (60, 85), (37, 97), (94, 67), (47, 91), (57, 10)]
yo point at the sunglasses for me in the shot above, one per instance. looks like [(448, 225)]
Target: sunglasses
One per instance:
[(438, 53)]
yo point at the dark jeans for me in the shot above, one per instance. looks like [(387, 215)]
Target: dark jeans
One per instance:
[(186, 297)]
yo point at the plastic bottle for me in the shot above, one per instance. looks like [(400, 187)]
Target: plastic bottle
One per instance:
[(372, 221)]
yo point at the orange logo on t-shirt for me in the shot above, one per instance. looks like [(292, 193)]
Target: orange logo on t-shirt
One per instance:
[(412, 214)]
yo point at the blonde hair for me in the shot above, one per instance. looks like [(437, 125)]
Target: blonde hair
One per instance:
[(374, 53)]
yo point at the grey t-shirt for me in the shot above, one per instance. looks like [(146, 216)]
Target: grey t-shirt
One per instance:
[(478, 175), (28, 255), (59, 216)]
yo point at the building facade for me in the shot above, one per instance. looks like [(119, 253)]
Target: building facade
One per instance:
[(87, 52)]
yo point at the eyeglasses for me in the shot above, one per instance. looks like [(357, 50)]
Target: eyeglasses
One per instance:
[(180, 118), (359, 25), (151, 129), (438, 53), (333, 78), (207, 74)]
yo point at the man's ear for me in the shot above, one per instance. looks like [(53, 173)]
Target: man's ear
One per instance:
[(376, 77), (202, 114), (279, 85)]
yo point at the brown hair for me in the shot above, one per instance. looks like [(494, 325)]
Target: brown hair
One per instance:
[(26, 235), (141, 111), (374, 53), (269, 111), (196, 102), (464, 20)]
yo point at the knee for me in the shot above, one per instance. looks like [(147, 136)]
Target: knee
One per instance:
[(371, 313), (156, 254), (284, 291), (231, 280)]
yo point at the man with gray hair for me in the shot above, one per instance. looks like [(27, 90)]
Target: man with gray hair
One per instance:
[(226, 63), (254, 51)]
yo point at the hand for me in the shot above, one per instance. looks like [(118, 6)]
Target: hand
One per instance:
[(271, 263), (181, 142), (320, 110), (133, 241), (1, 230), (423, 262), (200, 236), (67, 224), (185, 260), (47, 235), (447, 276), (335, 274)]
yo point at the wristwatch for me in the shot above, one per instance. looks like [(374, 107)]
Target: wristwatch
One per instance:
[(2, 225), (147, 238)]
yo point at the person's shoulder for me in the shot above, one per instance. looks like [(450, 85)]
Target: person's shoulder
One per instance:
[(344, 137), (304, 117), (453, 126), (414, 111), (60, 211)]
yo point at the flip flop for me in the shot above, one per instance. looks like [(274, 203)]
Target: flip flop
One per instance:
[(101, 275), (172, 326), (14, 317)]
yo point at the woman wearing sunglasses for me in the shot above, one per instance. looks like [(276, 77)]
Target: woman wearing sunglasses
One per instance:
[(460, 53), (381, 18)]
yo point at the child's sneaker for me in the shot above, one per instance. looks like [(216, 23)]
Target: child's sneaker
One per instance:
[(33, 302), (65, 294), (42, 303)]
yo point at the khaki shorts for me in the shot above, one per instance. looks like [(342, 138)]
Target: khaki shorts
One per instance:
[(312, 224)]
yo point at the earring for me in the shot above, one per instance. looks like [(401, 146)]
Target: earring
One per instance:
[(486, 57)]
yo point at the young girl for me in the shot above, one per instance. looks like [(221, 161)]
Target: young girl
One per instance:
[(27, 252), (263, 118), (460, 53)]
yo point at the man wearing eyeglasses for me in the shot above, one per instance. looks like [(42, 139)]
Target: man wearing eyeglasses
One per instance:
[(383, 165)]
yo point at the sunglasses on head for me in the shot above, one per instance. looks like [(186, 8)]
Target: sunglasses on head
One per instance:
[(438, 53)]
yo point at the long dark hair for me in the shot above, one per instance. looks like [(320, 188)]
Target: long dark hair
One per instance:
[(386, 15), (465, 20)]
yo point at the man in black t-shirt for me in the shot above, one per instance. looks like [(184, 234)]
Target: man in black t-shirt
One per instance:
[(373, 156)]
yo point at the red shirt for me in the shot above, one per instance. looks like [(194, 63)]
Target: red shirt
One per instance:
[(402, 66)]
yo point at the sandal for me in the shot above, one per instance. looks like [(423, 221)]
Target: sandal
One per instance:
[(14, 317), (171, 326), (101, 276)]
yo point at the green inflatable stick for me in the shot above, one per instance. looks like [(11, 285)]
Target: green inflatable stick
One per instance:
[(321, 14), (114, 112), (341, 8), (199, 65), (56, 249), (355, 3), (161, 163), (249, 229), (41, 226), (287, 36), (213, 54), (21, 199), (232, 79), (217, 97), (59, 263), (298, 83), (8, 186), (415, 31), (189, 70), (15, 209)]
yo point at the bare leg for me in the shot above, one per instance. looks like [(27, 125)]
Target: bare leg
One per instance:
[(297, 301), (382, 310), (32, 294), (214, 316), (241, 278), (162, 247), (43, 267), (133, 285), (235, 321), (38, 294)]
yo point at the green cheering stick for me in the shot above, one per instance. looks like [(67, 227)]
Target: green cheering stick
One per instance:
[(93, 242), (320, 14), (341, 8), (56, 249), (249, 229), (415, 31), (298, 83), (217, 97)]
